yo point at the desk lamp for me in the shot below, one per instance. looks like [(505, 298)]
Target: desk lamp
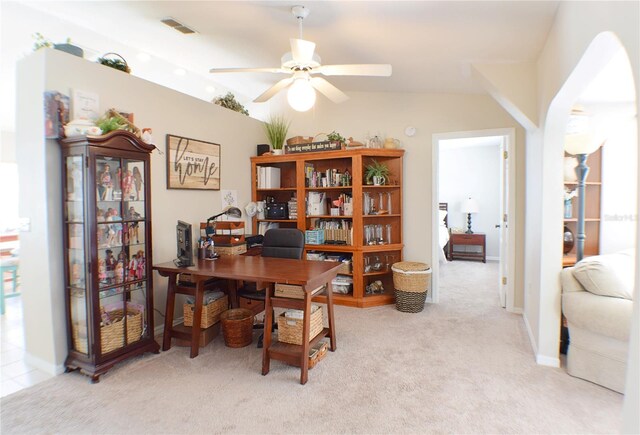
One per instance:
[(234, 212), (580, 142), (469, 206)]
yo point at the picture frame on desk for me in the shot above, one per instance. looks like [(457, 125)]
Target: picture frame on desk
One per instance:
[(192, 164)]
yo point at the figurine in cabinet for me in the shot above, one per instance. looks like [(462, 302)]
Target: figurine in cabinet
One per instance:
[(134, 229), (127, 185), (137, 181), (102, 271), (106, 184), (119, 273), (133, 268), (110, 262)]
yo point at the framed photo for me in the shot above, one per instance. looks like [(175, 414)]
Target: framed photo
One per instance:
[(56, 114), (192, 164), (85, 105)]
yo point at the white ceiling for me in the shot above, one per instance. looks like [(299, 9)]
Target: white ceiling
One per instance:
[(430, 44)]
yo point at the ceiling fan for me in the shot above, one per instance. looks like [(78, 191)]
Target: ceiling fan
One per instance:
[(302, 63)]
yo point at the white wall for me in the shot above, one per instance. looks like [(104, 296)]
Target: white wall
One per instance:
[(388, 114), (619, 203), (472, 171), (163, 110)]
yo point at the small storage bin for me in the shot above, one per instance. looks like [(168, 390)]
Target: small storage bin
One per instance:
[(210, 312), (237, 327), (314, 237), (290, 328), (411, 281)]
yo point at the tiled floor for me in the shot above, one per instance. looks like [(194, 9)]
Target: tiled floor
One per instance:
[(15, 373)]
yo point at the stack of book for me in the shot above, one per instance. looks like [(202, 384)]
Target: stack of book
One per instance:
[(268, 177)]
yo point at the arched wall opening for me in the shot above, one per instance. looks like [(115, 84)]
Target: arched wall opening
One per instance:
[(602, 50)]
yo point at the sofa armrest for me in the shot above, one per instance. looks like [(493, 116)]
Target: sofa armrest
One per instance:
[(604, 315), (569, 282)]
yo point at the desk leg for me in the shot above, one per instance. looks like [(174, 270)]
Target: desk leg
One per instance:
[(168, 318), (232, 291), (266, 340), (197, 317), (306, 326), (332, 327)]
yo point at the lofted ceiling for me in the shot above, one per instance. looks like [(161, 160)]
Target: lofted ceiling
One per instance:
[(430, 44)]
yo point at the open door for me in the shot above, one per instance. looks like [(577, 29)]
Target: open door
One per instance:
[(504, 224)]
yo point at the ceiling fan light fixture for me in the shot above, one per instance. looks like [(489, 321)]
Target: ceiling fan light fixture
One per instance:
[(301, 95)]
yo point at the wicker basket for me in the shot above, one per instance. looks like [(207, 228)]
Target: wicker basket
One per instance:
[(296, 140), (290, 330), (112, 335), (237, 327), (210, 313), (411, 282)]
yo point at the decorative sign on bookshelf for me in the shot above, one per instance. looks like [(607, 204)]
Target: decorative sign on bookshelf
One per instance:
[(313, 147), (192, 164)]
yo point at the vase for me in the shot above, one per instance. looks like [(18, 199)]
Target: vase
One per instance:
[(278, 152), (568, 209), (568, 240)]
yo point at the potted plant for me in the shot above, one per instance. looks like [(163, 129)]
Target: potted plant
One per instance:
[(115, 61), (67, 47), (276, 129), (229, 102), (336, 137), (376, 173)]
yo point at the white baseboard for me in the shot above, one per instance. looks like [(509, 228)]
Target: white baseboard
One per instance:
[(45, 366), (543, 360), (493, 258), (516, 310)]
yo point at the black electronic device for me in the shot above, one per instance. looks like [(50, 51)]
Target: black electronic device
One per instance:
[(262, 148), (253, 240), (184, 245), (277, 210)]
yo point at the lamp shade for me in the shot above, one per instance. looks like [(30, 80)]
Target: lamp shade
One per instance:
[(579, 136), (469, 205)]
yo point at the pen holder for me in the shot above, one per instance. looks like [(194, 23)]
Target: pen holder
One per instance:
[(202, 253)]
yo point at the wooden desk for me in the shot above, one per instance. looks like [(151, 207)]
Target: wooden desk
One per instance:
[(308, 274)]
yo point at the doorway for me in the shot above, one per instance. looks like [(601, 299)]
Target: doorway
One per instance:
[(498, 228)]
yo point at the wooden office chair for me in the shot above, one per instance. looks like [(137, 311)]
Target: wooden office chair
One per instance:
[(278, 243)]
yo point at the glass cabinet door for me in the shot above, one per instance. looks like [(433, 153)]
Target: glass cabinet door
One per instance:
[(121, 237), (77, 266)]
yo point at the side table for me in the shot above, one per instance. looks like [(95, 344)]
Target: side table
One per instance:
[(459, 243)]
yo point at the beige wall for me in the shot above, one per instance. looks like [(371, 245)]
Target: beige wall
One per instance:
[(388, 114), (163, 110)]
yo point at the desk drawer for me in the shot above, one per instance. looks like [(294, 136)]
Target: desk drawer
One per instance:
[(256, 307)]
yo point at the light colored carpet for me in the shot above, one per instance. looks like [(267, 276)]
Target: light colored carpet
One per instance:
[(462, 366)]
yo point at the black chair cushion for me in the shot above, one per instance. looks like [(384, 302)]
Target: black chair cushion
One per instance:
[(283, 243)]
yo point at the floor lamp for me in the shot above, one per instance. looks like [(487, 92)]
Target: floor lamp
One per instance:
[(580, 143)]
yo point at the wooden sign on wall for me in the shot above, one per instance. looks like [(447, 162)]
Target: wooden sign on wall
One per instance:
[(192, 164)]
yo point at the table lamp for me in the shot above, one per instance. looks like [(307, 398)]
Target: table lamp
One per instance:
[(580, 141), (469, 206), (234, 212)]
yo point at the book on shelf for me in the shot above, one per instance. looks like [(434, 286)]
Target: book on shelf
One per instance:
[(293, 291), (268, 177)]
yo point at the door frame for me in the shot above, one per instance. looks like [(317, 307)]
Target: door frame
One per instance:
[(509, 135)]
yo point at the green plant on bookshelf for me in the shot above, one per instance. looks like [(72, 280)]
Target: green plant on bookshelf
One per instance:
[(376, 173), (276, 129), (336, 137)]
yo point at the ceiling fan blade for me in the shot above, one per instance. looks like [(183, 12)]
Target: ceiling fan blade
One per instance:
[(381, 70), (329, 91), (234, 70), (301, 50), (266, 95)]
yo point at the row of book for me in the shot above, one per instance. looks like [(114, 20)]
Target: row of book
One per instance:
[(268, 177), (327, 178)]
